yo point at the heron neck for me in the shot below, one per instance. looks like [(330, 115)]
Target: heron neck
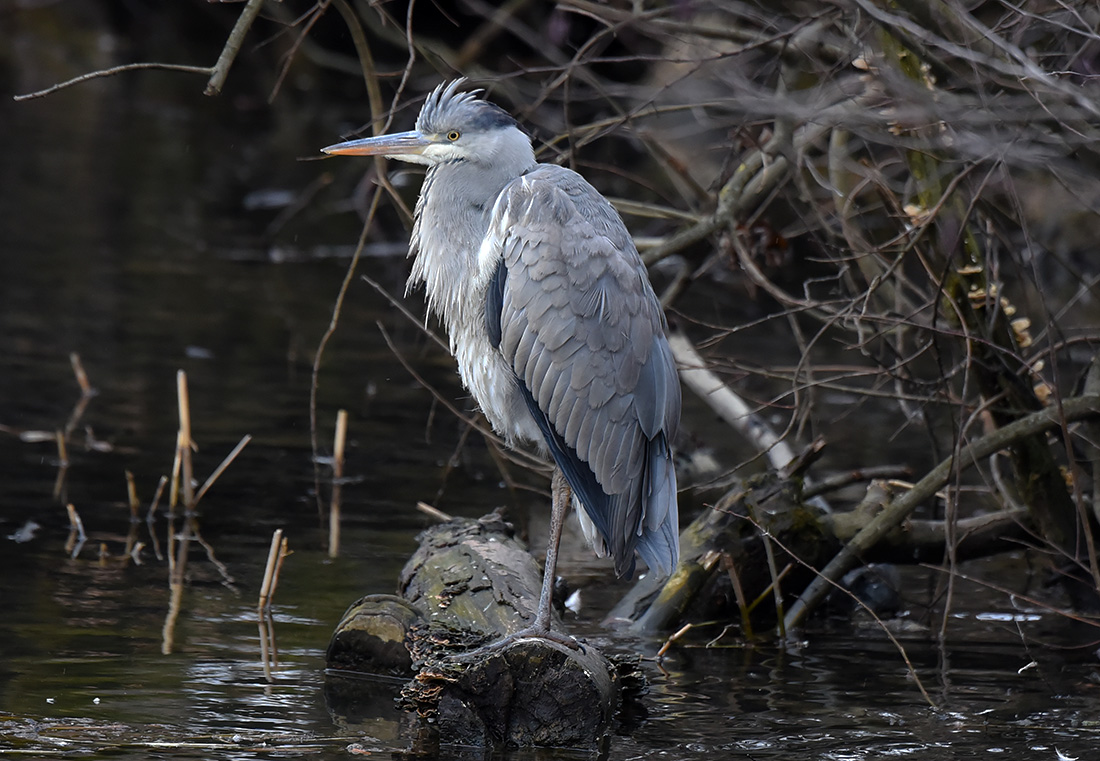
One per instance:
[(452, 218)]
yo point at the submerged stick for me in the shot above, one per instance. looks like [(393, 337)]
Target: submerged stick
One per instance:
[(177, 565), (268, 652)]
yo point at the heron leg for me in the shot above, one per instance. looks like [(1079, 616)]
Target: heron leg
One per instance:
[(561, 496)]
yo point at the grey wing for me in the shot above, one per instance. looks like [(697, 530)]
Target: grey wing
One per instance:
[(573, 313)]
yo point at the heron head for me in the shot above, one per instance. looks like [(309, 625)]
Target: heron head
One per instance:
[(453, 126)]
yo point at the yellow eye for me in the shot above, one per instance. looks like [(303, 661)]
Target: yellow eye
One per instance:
[(453, 135)]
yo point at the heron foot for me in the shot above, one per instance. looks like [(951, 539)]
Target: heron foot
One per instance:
[(530, 632)]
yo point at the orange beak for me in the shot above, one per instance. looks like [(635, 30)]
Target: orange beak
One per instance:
[(392, 146)]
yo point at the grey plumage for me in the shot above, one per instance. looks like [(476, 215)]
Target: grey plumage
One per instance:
[(557, 332), (583, 332)]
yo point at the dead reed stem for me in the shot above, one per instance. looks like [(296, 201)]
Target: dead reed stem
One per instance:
[(156, 499), (62, 450), (168, 631), (62, 466), (81, 376), (185, 442), (78, 412), (131, 494), (220, 469), (268, 651), (337, 481), (59, 492), (75, 523), (273, 562), (174, 490), (339, 444), (76, 538), (86, 394), (283, 553), (433, 512), (739, 595), (177, 566)]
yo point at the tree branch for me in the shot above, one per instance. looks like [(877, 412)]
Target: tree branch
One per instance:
[(895, 512)]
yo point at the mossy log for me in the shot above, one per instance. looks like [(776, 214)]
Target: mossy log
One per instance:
[(726, 574), (471, 582), (723, 557)]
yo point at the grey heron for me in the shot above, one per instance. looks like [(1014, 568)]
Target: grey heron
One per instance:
[(553, 322)]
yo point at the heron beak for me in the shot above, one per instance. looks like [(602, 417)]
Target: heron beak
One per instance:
[(397, 145)]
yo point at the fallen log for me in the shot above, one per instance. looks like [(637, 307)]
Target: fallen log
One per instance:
[(726, 574), (469, 583), (724, 564)]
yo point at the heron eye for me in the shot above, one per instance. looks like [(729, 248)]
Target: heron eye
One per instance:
[(453, 135)]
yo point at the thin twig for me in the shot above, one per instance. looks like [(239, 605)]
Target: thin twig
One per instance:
[(312, 17), (221, 468), (400, 307), (334, 320), (848, 477), (431, 390), (111, 72)]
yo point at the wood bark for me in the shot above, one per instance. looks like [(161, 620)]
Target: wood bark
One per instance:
[(471, 582)]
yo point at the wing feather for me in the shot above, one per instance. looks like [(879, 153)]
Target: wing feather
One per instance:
[(583, 332)]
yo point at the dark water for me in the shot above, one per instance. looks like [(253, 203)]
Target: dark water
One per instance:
[(131, 233)]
